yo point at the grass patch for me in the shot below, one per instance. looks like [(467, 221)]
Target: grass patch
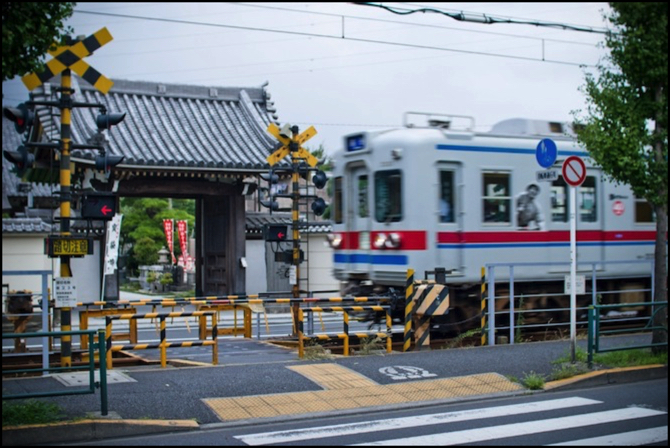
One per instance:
[(564, 368), (459, 340), (314, 351), (29, 412), (370, 345), (533, 381)]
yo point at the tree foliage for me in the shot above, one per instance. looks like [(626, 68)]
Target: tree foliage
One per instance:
[(29, 29), (142, 230), (628, 104), (626, 128)]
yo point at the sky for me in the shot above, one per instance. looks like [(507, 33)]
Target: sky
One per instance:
[(346, 68)]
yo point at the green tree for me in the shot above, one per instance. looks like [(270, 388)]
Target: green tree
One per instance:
[(626, 127), (142, 231), (29, 29)]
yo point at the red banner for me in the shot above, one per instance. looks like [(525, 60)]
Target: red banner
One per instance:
[(168, 226), (185, 259), (182, 231)]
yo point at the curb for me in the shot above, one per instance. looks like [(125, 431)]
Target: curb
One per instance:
[(611, 376), (89, 430)]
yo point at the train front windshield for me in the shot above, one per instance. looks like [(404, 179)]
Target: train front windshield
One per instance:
[(388, 196)]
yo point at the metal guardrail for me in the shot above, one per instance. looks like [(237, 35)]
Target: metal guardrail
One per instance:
[(90, 367), (164, 343), (489, 283), (345, 335), (595, 332)]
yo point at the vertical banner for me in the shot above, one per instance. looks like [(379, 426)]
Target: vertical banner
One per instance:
[(168, 226), (182, 231), (112, 245)]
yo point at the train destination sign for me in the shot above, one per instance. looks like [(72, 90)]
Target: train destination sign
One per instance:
[(56, 246)]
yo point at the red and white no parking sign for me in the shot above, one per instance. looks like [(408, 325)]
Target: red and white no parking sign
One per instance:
[(574, 171)]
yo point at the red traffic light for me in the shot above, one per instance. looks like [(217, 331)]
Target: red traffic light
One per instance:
[(106, 162), (21, 158), (21, 115)]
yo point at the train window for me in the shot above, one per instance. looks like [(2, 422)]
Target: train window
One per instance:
[(497, 202), (446, 196), (559, 200), (587, 200), (363, 208), (388, 196), (643, 211), (337, 200)]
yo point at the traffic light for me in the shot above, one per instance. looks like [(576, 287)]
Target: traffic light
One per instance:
[(21, 158), (98, 206), (21, 115), (105, 162), (319, 206), (106, 121)]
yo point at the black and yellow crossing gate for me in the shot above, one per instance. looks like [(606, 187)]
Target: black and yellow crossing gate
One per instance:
[(424, 299)]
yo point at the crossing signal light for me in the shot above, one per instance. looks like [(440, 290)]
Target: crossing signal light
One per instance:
[(21, 158), (319, 206), (276, 232), (21, 115), (105, 162), (319, 179), (106, 121), (98, 206), (270, 203)]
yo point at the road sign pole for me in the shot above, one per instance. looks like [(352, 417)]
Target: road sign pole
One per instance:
[(573, 274), (65, 193)]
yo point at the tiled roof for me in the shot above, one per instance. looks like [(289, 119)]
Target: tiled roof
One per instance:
[(171, 126), (25, 225)]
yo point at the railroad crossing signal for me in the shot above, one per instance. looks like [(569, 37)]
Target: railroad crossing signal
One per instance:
[(98, 206), (285, 149), (70, 56)]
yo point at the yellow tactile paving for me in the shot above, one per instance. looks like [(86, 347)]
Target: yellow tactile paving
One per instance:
[(346, 389)]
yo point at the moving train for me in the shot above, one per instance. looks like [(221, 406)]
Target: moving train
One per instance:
[(437, 194)]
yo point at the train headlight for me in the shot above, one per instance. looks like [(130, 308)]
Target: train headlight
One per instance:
[(380, 241), (335, 240), (393, 241)]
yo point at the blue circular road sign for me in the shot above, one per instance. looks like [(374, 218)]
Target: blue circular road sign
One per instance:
[(546, 152)]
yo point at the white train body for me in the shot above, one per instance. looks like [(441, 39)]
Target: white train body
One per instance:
[(388, 216)]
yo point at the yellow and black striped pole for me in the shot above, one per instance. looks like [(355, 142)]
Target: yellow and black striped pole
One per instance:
[(483, 307), (409, 292), (65, 179), (301, 341), (295, 207), (345, 347)]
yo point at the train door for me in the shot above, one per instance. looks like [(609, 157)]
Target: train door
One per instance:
[(449, 220), (357, 202)]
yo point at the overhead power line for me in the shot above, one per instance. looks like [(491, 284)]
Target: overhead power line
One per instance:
[(330, 36), (485, 18)]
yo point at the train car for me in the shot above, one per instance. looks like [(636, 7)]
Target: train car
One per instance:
[(435, 193)]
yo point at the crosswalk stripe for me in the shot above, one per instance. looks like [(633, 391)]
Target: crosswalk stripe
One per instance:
[(641, 437), (268, 438), (520, 429)]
